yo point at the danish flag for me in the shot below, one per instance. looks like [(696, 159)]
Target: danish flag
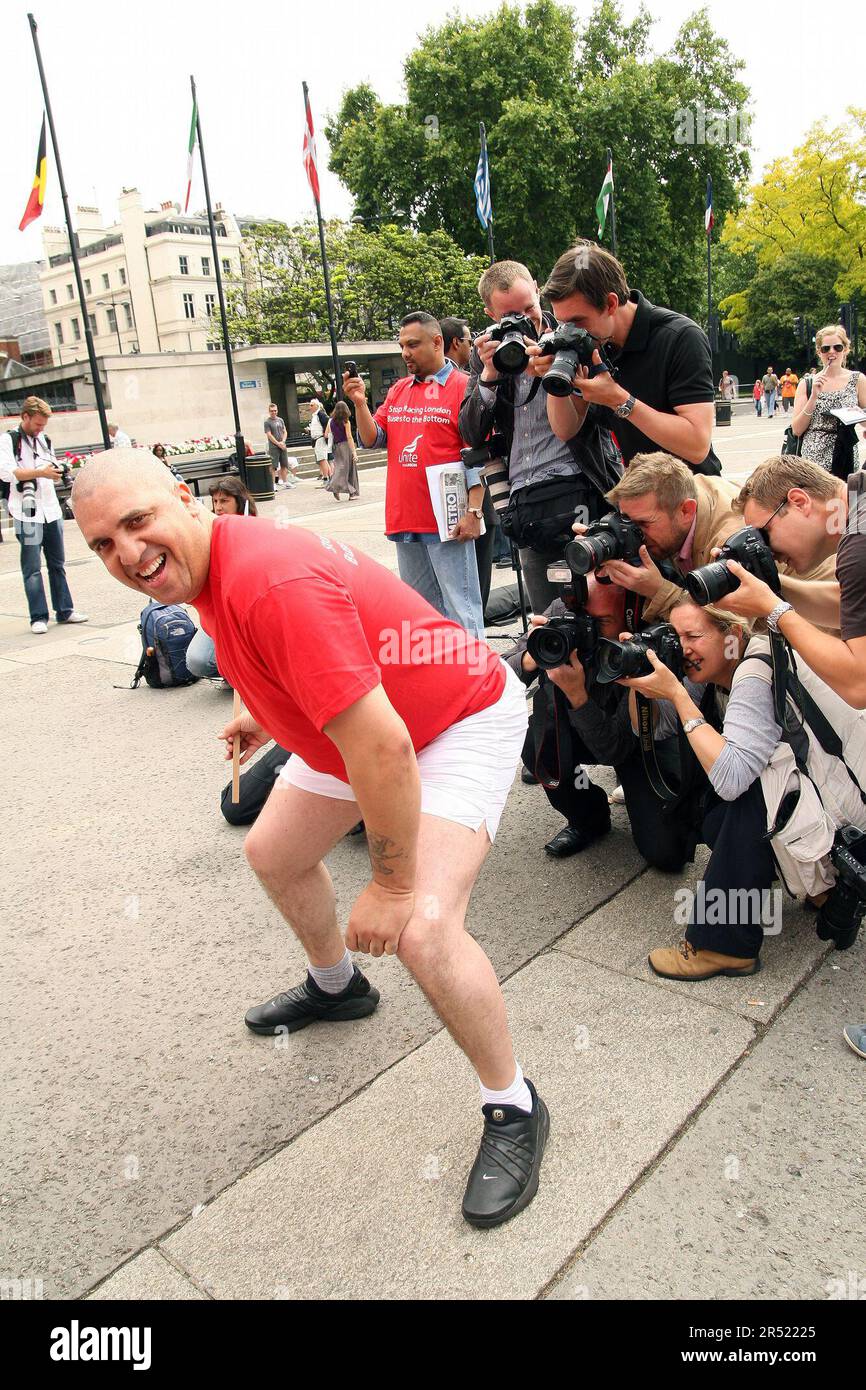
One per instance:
[(310, 148)]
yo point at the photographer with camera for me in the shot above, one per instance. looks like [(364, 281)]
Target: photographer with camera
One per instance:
[(661, 391), (549, 480), (810, 517), (29, 466), (776, 801)]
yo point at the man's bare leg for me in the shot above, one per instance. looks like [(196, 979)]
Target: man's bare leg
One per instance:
[(447, 963)]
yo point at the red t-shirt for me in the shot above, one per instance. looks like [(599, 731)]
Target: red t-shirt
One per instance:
[(420, 420), (305, 625)]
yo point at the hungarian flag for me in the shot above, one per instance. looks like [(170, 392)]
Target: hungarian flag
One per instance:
[(709, 219), (193, 125), (36, 200), (310, 148), (603, 200)]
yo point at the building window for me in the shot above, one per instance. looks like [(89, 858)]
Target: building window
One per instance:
[(87, 289), (70, 293), (210, 305), (128, 315), (58, 333), (76, 330), (205, 265), (53, 296), (184, 265), (227, 267), (105, 282), (188, 306), (122, 274), (112, 319), (91, 324)]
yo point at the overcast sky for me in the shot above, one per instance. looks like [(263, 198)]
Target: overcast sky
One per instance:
[(119, 83)]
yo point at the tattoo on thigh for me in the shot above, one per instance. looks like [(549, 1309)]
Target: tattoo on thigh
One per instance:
[(382, 849)]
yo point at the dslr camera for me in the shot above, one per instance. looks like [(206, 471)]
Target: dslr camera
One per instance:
[(511, 357), (621, 660), (613, 537), (552, 644), (491, 458), (840, 917), (28, 487), (749, 548), (571, 347)]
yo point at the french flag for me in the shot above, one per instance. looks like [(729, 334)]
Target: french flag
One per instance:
[(709, 220)]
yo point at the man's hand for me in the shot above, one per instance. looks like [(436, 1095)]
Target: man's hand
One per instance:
[(485, 347), (468, 528), (753, 599), (571, 680), (601, 389), (661, 685), (51, 472), (646, 580), (537, 365), (377, 920), (354, 389), (253, 736)]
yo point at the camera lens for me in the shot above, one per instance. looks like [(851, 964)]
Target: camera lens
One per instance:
[(511, 355), (558, 380), (710, 583), (549, 647), (588, 552), (619, 660)]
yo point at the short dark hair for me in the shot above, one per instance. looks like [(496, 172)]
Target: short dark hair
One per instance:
[(231, 486), (589, 270), (426, 320), (452, 330)]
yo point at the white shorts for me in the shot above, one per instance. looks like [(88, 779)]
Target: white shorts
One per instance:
[(466, 772), (320, 448)]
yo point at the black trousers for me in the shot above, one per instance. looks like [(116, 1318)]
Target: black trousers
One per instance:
[(741, 860), (256, 785)]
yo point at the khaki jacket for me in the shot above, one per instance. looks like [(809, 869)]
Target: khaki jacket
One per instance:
[(815, 595)]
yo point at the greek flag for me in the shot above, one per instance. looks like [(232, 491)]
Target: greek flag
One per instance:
[(482, 189)]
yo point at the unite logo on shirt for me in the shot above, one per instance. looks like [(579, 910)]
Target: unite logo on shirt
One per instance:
[(409, 455)]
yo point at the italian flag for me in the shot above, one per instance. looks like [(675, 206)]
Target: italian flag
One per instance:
[(190, 152), (603, 200)]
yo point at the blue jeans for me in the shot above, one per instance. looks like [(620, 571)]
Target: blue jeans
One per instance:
[(446, 574), (770, 398), (201, 656), (34, 537)]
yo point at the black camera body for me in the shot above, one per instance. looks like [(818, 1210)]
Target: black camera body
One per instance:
[(613, 537), (571, 347), (621, 660), (511, 357), (552, 644), (351, 368), (748, 547), (840, 917), (491, 458)]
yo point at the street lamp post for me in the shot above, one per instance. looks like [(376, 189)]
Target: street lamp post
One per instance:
[(112, 304)]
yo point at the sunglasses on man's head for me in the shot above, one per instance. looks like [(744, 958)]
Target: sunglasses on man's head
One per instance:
[(832, 347)]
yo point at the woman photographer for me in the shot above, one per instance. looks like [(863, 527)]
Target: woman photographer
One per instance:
[(832, 388), (733, 735)]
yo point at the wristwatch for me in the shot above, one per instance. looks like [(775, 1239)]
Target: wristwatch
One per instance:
[(476, 511), (692, 724), (778, 612), (624, 410)]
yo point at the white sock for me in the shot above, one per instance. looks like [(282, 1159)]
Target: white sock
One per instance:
[(517, 1094), (333, 979)]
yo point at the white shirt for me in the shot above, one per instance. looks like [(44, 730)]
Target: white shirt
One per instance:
[(315, 425), (121, 441), (35, 453)]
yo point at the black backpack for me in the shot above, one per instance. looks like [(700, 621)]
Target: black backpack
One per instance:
[(166, 632)]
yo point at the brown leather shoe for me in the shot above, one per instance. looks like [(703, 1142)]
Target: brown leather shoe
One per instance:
[(684, 962)]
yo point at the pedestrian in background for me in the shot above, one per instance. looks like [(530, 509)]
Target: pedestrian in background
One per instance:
[(338, 431)]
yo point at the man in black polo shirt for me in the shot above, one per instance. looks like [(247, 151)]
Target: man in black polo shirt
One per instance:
[(661, 394)]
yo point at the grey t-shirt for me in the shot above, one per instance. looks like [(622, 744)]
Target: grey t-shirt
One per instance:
[(276, 427)]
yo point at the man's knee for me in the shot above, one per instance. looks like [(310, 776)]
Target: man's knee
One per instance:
[(426, 938)]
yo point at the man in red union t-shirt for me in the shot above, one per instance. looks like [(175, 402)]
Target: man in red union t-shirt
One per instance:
[(418, 421), (394, 714)]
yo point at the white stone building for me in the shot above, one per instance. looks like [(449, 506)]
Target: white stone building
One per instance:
[(149, 281)]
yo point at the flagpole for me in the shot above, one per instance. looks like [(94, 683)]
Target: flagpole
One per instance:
[(88, 336), (612, 207), (487, 167), (240, 449), (710, 274), (335, 356)]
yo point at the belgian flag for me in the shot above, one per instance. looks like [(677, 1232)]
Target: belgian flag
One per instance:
[(37, 192)]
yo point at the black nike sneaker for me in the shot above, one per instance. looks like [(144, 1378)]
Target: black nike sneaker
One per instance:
[(504, 1177), (306, 1003)]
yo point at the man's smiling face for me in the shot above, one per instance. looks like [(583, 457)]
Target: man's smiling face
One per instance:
[(151, 538)]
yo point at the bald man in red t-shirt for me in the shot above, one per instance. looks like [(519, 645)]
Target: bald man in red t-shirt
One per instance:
[(395, 715)]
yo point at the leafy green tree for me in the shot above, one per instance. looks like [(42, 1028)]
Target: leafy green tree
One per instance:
[(553, 100), (797, 283), (376, 278)]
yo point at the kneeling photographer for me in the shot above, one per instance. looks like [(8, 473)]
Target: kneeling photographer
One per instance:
[(776, 797), (549, 481)]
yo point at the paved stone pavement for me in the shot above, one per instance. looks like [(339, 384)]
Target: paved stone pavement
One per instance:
[(707, 1140)]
